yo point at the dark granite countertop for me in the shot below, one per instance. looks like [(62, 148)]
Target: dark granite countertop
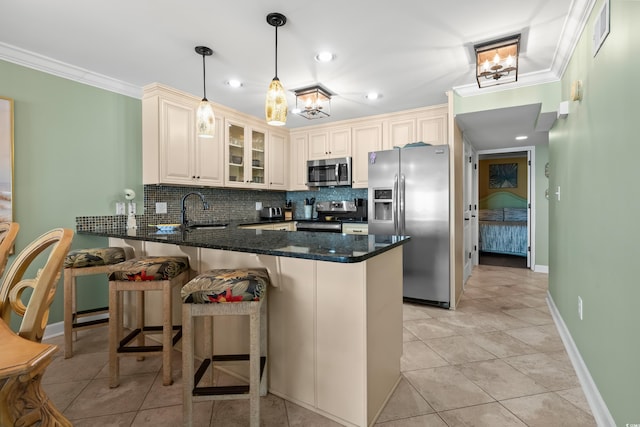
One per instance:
[(332, 247)]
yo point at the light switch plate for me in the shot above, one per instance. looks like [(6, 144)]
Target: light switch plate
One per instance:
[(120, 208), (161, 207)]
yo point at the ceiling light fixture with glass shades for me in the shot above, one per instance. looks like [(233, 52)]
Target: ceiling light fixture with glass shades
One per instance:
[(497, 61), (205, 118), (313, 102), (275, 107)]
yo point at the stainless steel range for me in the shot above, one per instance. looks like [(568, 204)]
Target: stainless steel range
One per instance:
[(331, 215)]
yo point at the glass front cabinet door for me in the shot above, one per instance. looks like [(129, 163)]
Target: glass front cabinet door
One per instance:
[(245, 156)]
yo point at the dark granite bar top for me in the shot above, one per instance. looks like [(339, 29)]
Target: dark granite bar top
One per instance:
[(332, 247)]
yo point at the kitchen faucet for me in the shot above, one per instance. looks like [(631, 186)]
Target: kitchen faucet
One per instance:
[(183, 216)]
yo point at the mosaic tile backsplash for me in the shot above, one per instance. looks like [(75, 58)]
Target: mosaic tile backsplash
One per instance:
[(224, 205)]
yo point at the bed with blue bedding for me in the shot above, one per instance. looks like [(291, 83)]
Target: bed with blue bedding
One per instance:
[(503, 230)]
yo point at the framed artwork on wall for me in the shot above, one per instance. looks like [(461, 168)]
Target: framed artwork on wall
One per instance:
[(503, 175), (6, 159), (601, 27)]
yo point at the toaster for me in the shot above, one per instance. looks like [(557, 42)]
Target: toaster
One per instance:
[(271, 213)]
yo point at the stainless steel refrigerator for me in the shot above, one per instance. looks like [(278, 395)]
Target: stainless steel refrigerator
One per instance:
[(409, 195)]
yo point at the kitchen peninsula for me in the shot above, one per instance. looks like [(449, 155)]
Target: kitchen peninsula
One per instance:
[(335, 310)]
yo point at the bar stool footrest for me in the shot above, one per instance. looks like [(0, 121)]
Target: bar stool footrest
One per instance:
[(222, 390), (122, 348), (87, 323), (81, 313)]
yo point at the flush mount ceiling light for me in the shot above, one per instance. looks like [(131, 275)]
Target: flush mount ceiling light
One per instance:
[(313, 102), (372, 96), (205, 118), (275, 107), (497, 61)]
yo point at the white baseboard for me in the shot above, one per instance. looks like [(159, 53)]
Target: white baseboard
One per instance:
[(598, 406), (541, 269)]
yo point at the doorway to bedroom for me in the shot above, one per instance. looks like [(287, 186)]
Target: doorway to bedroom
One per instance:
[(504, 188)]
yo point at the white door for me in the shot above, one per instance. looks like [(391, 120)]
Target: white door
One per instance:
[(469, 213)]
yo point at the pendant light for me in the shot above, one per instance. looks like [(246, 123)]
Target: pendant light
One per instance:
[(205, 118), (275, 107)]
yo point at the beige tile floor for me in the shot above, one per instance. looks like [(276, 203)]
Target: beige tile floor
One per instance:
[(495, 361)]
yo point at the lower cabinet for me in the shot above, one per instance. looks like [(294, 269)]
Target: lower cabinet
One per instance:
[(279, 226), (355, 228)]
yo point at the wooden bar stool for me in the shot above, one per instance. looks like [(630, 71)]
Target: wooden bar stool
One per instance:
[(225, 292), (139, 275), (85, 262)]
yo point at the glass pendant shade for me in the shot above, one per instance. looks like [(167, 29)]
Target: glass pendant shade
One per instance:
[(275, 107), (205, 120)]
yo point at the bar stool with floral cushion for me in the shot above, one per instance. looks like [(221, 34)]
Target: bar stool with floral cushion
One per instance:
[(140, 275), (86, 262), (225, 292)]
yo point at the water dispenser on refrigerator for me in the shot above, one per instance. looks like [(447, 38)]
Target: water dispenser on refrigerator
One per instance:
[(383, 204)]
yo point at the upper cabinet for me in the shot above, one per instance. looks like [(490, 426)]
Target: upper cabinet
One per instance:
[(366, 138), (245, 155), (298, 160), (278, 155), (171, 152), (330, 143), (428, 125)]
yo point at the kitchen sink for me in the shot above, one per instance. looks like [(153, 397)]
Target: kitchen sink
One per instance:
[(215, 226)]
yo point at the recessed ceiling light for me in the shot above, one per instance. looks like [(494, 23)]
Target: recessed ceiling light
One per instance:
[(296, 111), (373, 95), (325, 57), (521, 137), (234, 83)]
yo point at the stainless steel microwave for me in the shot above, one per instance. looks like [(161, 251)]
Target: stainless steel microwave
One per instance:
[(329, 172)]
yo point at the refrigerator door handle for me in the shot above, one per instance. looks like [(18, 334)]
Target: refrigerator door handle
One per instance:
[(394, 202), (402, 201)]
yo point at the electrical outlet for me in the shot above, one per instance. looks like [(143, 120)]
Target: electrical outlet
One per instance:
[(258, 206), (558, 193), (580, 307), (161, 207), (120, 208)]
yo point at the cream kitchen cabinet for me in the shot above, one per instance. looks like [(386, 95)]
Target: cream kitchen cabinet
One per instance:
[(355, 228), (428, 125), (367, 137), (245, 156), (329, 143), (298, 161), (171, 152), (278, 160), (278, 226)]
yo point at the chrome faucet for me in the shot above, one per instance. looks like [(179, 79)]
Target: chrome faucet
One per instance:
[(183, 216)]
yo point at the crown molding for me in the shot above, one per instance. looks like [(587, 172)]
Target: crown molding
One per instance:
[(579, 12), (48, 65)]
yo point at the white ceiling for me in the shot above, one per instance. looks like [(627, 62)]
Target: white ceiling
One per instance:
[(411, 51)]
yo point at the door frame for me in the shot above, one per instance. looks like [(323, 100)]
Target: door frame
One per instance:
[(531, 211)]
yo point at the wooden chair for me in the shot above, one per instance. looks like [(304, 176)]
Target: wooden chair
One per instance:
[(36, 313), (8, 233)]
